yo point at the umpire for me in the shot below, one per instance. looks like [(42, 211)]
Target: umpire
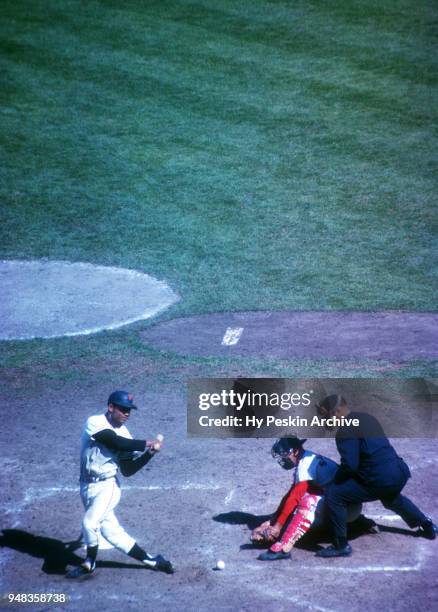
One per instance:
[(370, 470)]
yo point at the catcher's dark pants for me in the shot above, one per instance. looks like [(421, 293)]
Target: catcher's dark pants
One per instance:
[(351, 491)]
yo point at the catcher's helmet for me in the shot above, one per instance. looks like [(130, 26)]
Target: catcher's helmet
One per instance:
[(284, 446), (122, 399)]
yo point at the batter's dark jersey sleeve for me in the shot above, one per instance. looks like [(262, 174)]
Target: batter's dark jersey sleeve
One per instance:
[(111, 440), (129, 467)]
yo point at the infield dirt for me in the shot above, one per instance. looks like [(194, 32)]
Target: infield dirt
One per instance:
[(196, 503)]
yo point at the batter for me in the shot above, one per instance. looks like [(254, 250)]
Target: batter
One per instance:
[(107, 447)]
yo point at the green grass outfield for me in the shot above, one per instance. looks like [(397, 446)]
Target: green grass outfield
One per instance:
[(254, 154)]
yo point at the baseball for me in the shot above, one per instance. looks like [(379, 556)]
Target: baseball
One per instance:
[(220, 565), (157, 445)]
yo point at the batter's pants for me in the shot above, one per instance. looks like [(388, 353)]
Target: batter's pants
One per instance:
[(100, 500)]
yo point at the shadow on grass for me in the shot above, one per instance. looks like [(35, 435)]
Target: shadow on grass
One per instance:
[(56, 555)]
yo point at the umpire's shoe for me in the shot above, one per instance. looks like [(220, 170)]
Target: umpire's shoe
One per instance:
[(428, 530), (159, 564), (335, 551)]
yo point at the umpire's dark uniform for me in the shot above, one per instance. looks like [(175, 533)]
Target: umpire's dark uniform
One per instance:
[(370, 470)]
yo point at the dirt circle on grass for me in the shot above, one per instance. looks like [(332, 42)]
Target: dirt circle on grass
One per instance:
[(48, 299), (385, 335)]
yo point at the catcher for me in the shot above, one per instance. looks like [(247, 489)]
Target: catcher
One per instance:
[(301, 507)]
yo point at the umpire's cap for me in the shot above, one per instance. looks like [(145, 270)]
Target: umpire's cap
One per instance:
[(329, 404), (122, 399), (284, 446)]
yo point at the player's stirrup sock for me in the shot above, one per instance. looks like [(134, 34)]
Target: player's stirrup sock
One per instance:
[(92, 552), (91, 557), (138, 553)]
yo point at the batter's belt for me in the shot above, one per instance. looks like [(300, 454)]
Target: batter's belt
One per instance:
[(89, 478)]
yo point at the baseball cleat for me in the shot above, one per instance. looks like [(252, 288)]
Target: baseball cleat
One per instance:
[(159, 564), (334, 551), (270, 555), (428, 530), (86, 569)]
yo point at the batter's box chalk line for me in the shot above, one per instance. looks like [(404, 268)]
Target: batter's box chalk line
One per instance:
[(34, 494), (353, 570), (37, 494), (294, 599)]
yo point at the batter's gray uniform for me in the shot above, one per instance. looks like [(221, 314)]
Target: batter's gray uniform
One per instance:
[(106, 447), (100, 487)]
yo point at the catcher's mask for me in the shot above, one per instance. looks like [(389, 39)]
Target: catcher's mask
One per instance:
[(283, 448)]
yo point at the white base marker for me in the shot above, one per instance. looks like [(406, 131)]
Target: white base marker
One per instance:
[(232, 336)]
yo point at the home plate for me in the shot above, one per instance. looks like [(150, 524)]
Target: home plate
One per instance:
[(47, 299)]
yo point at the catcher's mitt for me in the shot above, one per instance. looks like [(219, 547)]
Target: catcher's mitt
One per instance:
[(265, 533)]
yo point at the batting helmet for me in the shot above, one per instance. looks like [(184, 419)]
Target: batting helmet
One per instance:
[(122, 399)]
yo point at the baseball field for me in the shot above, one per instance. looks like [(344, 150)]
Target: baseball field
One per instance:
[(271, 167)]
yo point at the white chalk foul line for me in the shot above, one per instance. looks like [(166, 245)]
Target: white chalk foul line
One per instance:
[(229, 497), (232, 336)]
